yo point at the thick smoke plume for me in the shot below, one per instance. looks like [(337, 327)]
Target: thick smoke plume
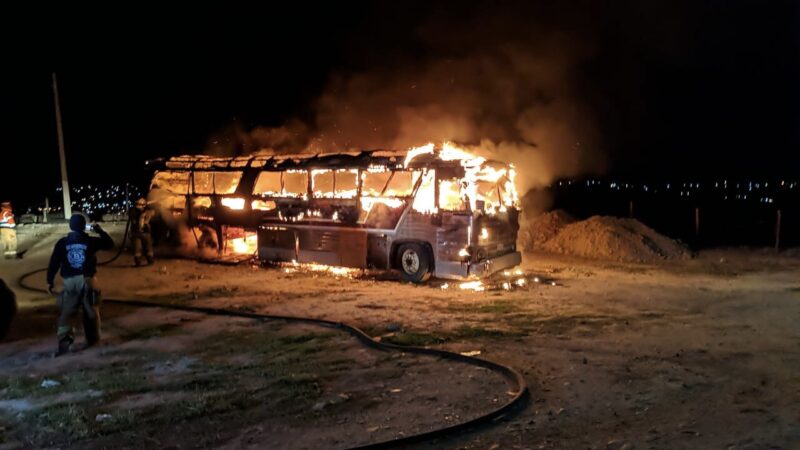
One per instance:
[(501, 85)]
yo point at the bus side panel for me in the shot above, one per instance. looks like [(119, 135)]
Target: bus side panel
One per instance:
[(378, 251), (276, 244), (335, 247), (418, 227)]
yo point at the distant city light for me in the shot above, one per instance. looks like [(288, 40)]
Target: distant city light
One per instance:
[(91, 199), (770, 190)]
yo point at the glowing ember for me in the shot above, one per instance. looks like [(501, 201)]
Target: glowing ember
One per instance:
[(521, 282), (476, 286), (314, 267), (334, 270)]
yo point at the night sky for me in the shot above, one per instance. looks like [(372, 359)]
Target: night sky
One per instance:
[(674, 89)]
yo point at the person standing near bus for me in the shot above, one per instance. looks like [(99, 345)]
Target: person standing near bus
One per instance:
[(140, 216), (76, 256), (8, 231)]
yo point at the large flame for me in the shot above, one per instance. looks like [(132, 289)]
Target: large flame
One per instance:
[(491, 184), (425, 200), (416, 151), (244, 245)]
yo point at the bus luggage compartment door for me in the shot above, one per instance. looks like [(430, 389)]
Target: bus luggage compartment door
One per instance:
[(335, 247), (277, 244)]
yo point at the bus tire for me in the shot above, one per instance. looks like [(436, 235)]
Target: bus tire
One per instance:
[(414, 262)]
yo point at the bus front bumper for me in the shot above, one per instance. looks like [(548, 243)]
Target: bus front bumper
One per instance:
[(454, 270)]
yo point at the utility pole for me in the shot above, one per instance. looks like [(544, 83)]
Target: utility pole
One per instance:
[(64, 182), (697, 221)]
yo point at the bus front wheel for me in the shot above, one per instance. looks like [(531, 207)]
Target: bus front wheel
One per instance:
[(414, 262)]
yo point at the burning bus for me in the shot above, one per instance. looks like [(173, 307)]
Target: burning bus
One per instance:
[(428, 211)]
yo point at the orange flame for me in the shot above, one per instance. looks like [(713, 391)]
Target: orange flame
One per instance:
[(486, 182), (246, 245), (233, 202), (416, 151), (338, 271)]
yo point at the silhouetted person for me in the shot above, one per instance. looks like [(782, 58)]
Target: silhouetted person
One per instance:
[(141, 236), (76, 256)]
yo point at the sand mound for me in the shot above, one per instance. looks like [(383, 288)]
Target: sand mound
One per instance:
[(616, 239), (534, 233)]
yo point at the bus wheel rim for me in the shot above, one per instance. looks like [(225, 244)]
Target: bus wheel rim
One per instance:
[(410, 261)]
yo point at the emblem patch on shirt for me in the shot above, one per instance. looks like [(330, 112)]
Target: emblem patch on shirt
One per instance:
[(76, 255)]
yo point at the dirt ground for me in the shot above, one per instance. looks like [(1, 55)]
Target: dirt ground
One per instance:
[(700, 353)]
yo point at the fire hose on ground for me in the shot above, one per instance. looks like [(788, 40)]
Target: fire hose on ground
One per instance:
[(515, 379)]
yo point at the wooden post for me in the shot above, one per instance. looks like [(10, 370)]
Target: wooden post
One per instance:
[(697, 221), (46, 209), (778, 231)]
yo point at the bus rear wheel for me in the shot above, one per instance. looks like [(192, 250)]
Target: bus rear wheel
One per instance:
[(414, 262)]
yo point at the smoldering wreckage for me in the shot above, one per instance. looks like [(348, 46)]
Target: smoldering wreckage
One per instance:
[(434, 210), (437, 210)]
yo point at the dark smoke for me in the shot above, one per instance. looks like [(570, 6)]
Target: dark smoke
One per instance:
[(501, 83)]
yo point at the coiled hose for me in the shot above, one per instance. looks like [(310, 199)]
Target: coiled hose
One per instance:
[(515, 379)]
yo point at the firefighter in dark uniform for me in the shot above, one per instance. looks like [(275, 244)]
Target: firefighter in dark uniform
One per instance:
[(76, 256), (140, 216)]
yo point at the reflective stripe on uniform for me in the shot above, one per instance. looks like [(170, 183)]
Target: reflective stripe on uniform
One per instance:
[(7, 220)]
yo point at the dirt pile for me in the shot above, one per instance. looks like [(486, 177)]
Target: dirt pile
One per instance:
[(617, 239), (535, 232)]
